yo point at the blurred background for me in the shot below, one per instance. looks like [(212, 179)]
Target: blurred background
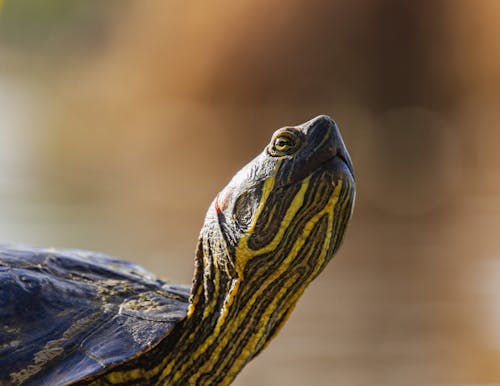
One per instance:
[(121, 120)]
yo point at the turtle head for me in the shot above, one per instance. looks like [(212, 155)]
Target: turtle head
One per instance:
[(286, 211)]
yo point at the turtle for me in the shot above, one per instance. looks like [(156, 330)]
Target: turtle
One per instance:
[(75, 317)]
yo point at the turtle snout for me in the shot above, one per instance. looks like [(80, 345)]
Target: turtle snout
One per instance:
[(326, 141)]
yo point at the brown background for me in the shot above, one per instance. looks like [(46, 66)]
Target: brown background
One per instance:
[(120, 120)]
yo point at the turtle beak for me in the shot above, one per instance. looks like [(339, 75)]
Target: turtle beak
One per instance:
[(343, 154), (322, 126)]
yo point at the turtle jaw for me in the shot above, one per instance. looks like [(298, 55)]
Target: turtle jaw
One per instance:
[(343, 155), (339, 167)]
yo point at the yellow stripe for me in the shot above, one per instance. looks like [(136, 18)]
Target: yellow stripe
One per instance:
[(341, 215), (244, 253), (328, 236)]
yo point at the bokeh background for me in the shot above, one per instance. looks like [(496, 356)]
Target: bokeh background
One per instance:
[(120, 120)]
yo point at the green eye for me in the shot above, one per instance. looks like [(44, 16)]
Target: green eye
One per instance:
[(284, 143)]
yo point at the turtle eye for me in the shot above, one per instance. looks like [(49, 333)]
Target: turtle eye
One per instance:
[(284, 143)]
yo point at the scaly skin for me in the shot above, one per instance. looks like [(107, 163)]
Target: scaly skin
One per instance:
[(267, 235)]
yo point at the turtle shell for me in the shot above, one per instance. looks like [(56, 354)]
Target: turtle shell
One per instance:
[(65, 315)]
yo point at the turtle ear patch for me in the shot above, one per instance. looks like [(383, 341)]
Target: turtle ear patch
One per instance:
[(243, 211), (238, 208)]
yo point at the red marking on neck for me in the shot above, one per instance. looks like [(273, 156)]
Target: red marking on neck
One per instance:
[(217, 206), (222, 200)]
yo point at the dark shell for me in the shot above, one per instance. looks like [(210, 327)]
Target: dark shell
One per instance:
[(65, 315)]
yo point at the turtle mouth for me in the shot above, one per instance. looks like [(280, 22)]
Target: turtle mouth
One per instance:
[(340, 163), (347, 161)]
